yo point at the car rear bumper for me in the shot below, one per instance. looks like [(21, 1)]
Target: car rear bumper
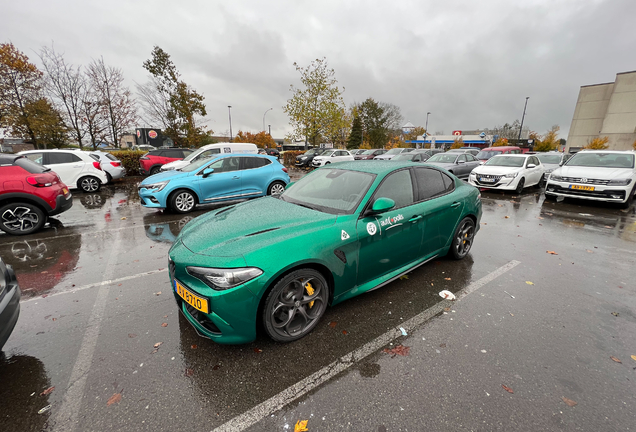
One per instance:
[(9, 312), (62, 203)]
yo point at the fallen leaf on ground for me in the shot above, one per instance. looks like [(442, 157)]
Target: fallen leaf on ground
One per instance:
[(164, 324), (193, 347), (615, 314), (442, 345), (47, 391), (508, 389), (301, 426), (447, 309), (258, 350), (157, 345), (216, 367), (404, 277), (634, 357), (158, 293), (569, 402), (506, 217), (123, 218), (607, 226), (132, 335), (551, 252), (589, 251), (539, 217), (447, 278), (398, 350), (615, 359), (332, 324), (344, 332), (530, 283), (116, 398), (189, 372)]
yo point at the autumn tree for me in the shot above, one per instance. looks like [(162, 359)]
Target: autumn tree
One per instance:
[(261, 139), (20, 88), (355, 136), (459, 143), (317, 109), (598, 144), (115, 100), (380, 121), (500, 142), (168, 100), (47, 124), (413, 134), (549, 142), (634, 145)]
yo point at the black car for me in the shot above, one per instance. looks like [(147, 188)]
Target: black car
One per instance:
[(304, 160), (272, 152), (9, 301)]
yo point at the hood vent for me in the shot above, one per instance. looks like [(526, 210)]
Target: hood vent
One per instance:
[(224, 210), (261, 232)]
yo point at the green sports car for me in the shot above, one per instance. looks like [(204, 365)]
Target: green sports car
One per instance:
[(340, 231)]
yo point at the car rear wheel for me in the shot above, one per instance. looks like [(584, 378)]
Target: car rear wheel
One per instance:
[(21, 218), (183, 201), (520, 186), (89, 184), (463, 239), (155, 170), (276, 188), (295, 305)]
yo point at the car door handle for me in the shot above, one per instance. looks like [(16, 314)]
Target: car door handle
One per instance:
[(456, 204), (415, 218), (77, 166), (236, 177)]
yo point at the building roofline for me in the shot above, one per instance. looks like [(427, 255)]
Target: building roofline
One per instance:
[(623, 73), (594, 85)]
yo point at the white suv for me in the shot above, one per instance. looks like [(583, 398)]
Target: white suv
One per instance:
[(331, 156), (598, 175), (77, 169)]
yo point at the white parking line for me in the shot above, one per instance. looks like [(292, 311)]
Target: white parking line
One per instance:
[(273, 404), (99, 284)]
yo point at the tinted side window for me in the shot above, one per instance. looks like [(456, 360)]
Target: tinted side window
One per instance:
[(449, 183), (176, 153), (254, 162), (430, 183), (36, 157), (398, 187), (54, 158), (155, 153)]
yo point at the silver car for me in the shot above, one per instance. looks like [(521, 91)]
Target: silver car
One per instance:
[(112, 166), (460, 164)]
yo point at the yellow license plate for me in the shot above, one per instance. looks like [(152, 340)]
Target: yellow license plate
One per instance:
[(65, 191), (195, 301), (585, 188)]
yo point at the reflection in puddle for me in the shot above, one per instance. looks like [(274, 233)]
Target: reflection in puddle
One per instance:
[(165, 232)]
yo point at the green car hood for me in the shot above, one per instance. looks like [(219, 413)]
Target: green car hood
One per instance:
[(240, 229)]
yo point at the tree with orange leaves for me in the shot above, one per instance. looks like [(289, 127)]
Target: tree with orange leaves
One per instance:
[(261, 139), (598, 144)]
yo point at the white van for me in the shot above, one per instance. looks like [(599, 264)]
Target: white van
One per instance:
[(211, 150)]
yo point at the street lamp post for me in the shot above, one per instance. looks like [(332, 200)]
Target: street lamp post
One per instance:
[(270, 129), (522, 117), (229, 111), (426, 128), (264, 118)]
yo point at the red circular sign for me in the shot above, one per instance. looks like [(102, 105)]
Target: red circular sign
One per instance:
[(152, 134), (457, 132), (138, 133)]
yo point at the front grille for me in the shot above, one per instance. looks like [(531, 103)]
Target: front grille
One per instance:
[(583, 180), (142, 201), (490, 176), (496, 178), (201, 318)]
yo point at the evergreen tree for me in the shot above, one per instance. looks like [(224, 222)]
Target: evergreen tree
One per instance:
[(355, 138)]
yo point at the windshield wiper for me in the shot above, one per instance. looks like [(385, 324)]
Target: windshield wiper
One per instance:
[(306, 206)]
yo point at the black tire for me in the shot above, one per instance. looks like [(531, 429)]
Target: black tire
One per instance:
[(89, 184), (542, 182), (109, 177), (21, 218), (289, 311), (630, 199), (155, 170), (276, 188), (183, 201), (327, 163), (520, 186), (462, 239)]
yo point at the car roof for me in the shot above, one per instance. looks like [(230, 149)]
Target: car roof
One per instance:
[(608, 151), (379, 167), (501, 148), (6, 159), (513, 155)]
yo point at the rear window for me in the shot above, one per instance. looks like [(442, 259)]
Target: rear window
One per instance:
[(483, 155), (94, 156), (110, 156), (30, 166)]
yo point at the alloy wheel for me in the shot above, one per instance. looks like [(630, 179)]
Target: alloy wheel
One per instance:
[(464, 239), (276, 189), (89, 184), (20, 219), (184, 202)]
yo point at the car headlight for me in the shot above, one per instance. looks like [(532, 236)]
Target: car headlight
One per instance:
[(165, 168), (619, 182), (156, 186), (511, 175), (556, 178), (222, 279)]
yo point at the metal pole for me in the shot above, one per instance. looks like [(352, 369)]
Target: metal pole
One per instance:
[(426, 128), (270, 129), (522, 117), (229, 111), (264, 118)]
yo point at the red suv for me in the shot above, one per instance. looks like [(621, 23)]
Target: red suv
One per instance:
[(151, 162), (29, 194)]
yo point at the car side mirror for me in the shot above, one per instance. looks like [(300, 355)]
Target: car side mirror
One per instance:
[(382, 204), (207, 172), (532, 166), (461, 162)]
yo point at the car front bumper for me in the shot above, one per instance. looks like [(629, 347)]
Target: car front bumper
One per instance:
[(618, 194), (151, 199), (502, 183)]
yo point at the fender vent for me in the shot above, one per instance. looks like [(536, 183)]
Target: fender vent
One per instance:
[(341, 255), (224, 210)]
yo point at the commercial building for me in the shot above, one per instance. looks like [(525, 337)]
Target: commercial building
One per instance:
[(605, 110)]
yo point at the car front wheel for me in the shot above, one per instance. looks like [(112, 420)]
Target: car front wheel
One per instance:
[(276, 188), (463, 239), (89, 184), (295, 305), (21, 218), (520, 186), (182, 201)]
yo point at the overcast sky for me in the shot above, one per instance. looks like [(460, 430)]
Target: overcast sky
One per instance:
[(471, 63)]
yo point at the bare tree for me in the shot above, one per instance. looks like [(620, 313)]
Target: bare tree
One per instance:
[(116, 101), (66, 86), (155, 103), (94, 115)]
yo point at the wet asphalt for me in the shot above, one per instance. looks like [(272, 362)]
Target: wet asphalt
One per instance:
[(96, 300)]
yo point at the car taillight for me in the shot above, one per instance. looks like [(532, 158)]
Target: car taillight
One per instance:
[(284, 169), (38, 181), (97, 165), (115, 164)]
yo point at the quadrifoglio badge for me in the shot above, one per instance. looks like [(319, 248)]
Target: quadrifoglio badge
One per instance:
[(390, 221)]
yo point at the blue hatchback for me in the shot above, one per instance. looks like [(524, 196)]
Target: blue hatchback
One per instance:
[(219, 178)]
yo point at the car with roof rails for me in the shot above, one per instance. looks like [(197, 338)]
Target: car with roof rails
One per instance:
[(29, 194), (596, 175), (342, 230), (393, 152), (330, 156)]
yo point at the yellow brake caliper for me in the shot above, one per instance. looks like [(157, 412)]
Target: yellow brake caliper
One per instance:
[(310, 291)]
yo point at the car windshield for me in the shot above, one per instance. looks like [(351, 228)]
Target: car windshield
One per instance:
[(443, 158), (404, 156), (602, 160), (196, 165), (506, 161), (484, 155), (549, 158), (193, 155), (394, 151), (333, 191), (368, 152)]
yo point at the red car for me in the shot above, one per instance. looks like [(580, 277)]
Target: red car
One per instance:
[(29, 194), (151, 162)]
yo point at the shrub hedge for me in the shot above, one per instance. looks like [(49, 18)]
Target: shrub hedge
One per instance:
[(289, 157), (130, 160)]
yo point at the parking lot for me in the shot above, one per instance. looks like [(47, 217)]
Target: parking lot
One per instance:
[(546, 300)]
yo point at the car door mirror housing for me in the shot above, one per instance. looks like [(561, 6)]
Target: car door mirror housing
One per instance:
[(461, 162), (531, 166), (382, 204), (207, 172)]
